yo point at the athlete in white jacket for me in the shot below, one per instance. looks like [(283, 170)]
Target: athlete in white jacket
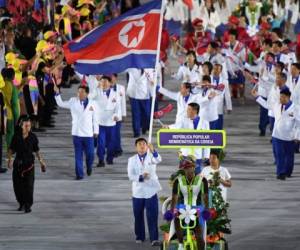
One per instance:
[(84, 127)]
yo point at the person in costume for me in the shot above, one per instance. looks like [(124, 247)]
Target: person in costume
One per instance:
[(11, 100), (252, 10), (189, 189), (2, 123)]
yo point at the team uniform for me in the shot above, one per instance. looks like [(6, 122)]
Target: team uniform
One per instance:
[(144, 193), (108, 113), (84, 127)]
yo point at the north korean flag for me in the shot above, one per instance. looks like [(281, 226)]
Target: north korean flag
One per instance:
[(129, 41)]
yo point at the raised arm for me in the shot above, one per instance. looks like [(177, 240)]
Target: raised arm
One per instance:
[(59, 101), (171, 94)]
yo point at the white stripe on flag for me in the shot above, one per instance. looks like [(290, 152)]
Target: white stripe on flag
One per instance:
[(117, 57)]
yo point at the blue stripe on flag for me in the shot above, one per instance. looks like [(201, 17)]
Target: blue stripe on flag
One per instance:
[(93, 36), (117, 66)]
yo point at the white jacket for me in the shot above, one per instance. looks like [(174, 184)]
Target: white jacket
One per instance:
[(210, 22), (235, 56), (287, 122), (222, 95), (208, 109), (138, 84), (84, 121), (181, 104), (187, 123), (273, 99), (122, 95), (175, 11), (295, 89), (266, 80), (184, 74), (108, 107), (135, 168)]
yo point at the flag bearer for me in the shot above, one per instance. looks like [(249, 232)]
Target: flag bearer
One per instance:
[(145, 185)]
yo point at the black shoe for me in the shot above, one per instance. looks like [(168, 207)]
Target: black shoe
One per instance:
[(289, 176), (27, 210), (110, 162), (101, 164), (136, 136), (78, 178), (3, 170), (144, 131), (262, 133), (89, 172), (118, 153), (20, 207), (281, 177)]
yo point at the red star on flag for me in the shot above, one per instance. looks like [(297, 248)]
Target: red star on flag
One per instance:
[(133, 32)]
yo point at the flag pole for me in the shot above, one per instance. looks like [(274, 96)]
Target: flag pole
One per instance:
[(156, 69)]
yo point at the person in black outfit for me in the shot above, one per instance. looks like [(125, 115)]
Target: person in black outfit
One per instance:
[(24, 144)]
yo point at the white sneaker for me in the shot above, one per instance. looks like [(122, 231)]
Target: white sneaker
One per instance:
[(180, 247)]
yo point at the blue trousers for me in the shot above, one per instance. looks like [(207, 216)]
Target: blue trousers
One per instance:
[(141, 110), (106, 140), (151, 206), (220, 121), (198, 167), (263, 119), (83, 145), (271, 121), (117, 135), (284, 152), (213, 125)]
